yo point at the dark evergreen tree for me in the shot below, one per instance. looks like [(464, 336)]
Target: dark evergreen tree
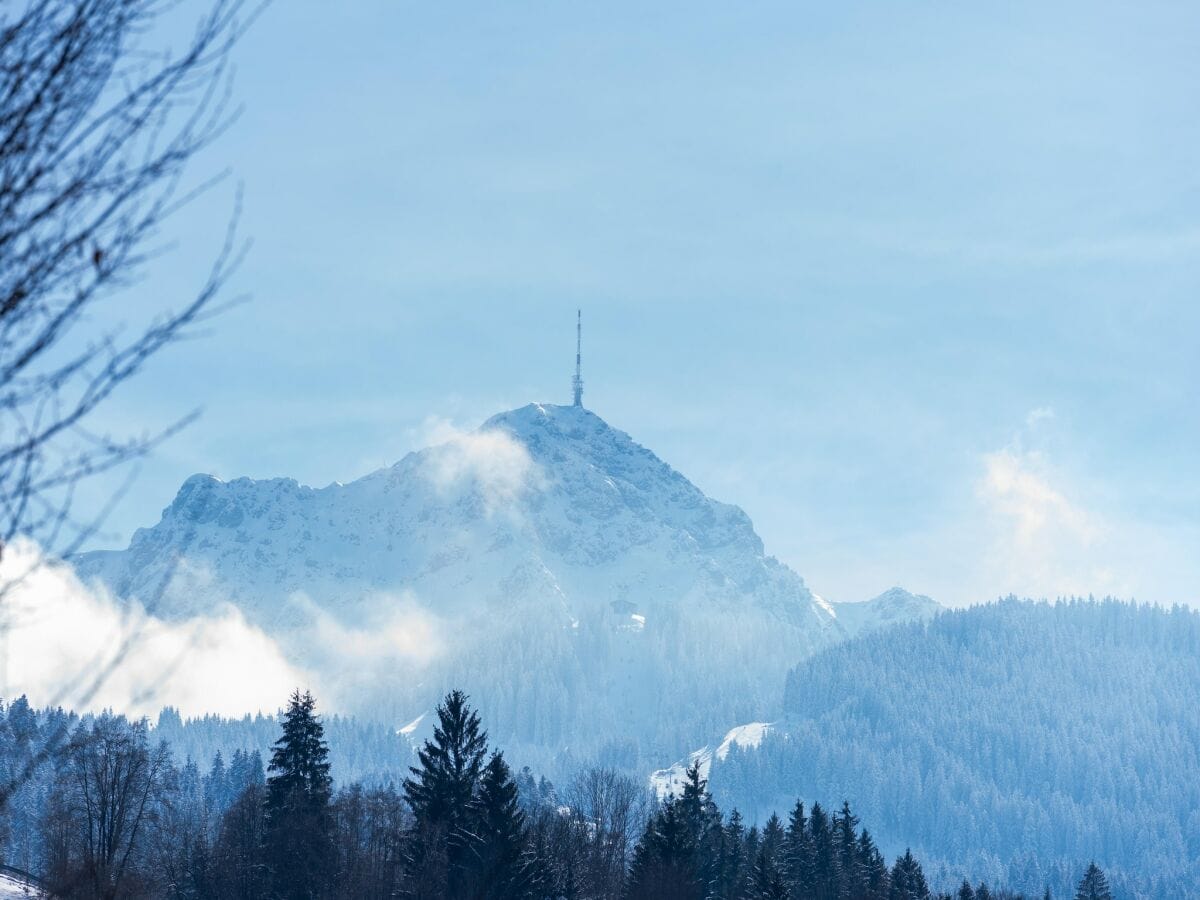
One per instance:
[(798, 853), (908, 881), (440, 792), (296, 833), (851, 876), (825, 869), (965, 891), (703, 821), (1093, 885), (875, 881), (497, 866), (769, 883), (735, 869), (773, 837), (664, 862), (239, 866)]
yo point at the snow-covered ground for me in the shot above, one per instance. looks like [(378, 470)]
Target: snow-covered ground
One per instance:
[(13, 887), (670, 780)]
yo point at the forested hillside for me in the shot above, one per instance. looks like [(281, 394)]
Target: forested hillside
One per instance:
[(1007, 740)]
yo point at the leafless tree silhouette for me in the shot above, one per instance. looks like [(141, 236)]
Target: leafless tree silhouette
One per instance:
[(97, 127), (96, 131)]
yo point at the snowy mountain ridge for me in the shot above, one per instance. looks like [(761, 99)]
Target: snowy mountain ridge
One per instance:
[(541, 491)]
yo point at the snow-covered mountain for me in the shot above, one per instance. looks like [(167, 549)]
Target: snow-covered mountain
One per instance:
[(890, 607), (593, 601)]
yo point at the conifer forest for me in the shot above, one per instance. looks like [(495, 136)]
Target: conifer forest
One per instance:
[(111, 814)]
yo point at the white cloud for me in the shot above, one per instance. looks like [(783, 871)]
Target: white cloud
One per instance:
[(396, 628), (392, 639), (491, 461), (1042, 542), (65, 643)]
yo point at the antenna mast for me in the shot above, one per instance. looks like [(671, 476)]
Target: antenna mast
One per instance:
[(577, 381)]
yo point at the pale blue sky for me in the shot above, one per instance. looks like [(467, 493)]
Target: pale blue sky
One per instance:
[(914, 284)]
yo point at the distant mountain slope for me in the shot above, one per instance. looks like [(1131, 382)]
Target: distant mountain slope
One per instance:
[(889, 608), (591, 598), (892, 607), (1014, 740)]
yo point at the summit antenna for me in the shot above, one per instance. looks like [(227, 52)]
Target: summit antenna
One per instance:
[(577, 381)]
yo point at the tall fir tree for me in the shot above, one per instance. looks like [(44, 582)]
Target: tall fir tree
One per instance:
[(735, 868), (440, 793), (908, 880), (769, 883), (845, 825), (296, 833), (703, 821), (825, 868), (664, 861), (798, 853), (874, 871), (1093, 885), (497, 865)]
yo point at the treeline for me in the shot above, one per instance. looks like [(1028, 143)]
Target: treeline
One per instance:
[(96, 810), (360, 750)]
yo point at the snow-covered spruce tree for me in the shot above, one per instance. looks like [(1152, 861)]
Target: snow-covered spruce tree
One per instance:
[(440, 793), (296, 833), (1093, 885)]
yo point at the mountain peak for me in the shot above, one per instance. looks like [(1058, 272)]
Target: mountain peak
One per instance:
[(545, 534), (536, 424), (543, 415), (892, 606)]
